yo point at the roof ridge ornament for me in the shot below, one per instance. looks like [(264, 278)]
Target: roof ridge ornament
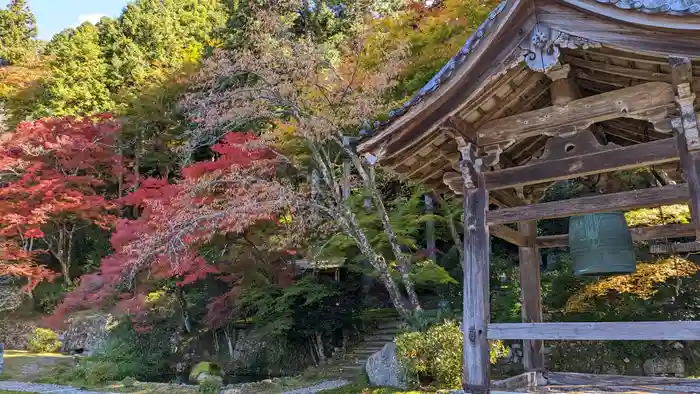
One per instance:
[(542, 52), (671, 7)]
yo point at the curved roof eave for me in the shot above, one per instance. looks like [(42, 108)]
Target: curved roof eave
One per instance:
[(451, 70), (676, 15)]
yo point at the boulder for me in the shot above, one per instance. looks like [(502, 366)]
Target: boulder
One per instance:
[(384, 369), (664, 366), (206, 371), (86, 333)]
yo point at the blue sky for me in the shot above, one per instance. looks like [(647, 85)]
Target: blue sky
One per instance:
[(53, 16)]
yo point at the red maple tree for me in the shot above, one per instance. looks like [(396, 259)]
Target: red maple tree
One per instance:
[(228, 195), (55, 174)]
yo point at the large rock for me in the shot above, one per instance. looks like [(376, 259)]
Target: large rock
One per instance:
[(86, 333), (384, 369), (257, 354), (664, 366)]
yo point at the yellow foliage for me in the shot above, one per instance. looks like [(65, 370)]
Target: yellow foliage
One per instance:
[(679, 213), (642, 283), (434, 35)]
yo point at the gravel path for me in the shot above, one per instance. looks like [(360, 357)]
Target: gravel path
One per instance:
[(42, 388), (327, 385), (54, 388)]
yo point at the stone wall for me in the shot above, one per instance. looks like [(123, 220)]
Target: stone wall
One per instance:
[(14, 333)]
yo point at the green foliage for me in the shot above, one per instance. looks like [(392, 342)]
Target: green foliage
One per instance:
[(76, 82), (17, 32), (434, 357), (308, 306), (43, 340), (98, 372), (429, 273), (407, 216), (209, 386), (143, 356)]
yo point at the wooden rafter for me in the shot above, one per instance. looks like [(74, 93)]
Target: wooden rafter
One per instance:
[(579, 114)]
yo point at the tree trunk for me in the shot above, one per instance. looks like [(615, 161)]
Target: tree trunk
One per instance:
[(183, 307), (352, 227), (409, 285), (227, 333), (319, 348), (62, 249), (395, 295), (336, 207)]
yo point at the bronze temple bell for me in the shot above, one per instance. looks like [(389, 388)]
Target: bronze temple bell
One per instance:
[(601, 244)]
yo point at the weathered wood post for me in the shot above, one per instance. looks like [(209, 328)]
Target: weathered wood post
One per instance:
[(477, 256), (687, 136), (531, 296)]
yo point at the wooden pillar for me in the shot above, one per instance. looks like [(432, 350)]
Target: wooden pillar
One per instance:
[(531, 295), (477, 256), (686, 129)]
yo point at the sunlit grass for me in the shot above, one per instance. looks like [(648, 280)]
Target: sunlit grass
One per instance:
[(24, 353), (27, 366)]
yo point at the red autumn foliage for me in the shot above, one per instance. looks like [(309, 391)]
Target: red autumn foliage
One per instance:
[(228, 195), (54, 175)]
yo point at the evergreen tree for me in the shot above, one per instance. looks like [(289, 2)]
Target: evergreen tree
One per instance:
[(17, 32), (152, 38), (77, 81)]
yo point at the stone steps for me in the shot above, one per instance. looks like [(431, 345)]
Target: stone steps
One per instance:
[(387, 329)]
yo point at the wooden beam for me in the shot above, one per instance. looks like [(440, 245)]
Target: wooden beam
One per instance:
[(630, 383), (638, 234), (477, 256), (508, 234), (578, 114), (531, 294), (607, 331), (617, 159), (633, 199), (676, 247)]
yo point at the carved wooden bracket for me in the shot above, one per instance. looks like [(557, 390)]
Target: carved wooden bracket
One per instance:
[(685, 99), (470, 164), (542, 50)]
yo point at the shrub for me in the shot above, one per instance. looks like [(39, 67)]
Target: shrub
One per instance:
[(129, 382), (92, 373), (435, 356), (43, 340), (143, 356), (100, 372), (209, 386)]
